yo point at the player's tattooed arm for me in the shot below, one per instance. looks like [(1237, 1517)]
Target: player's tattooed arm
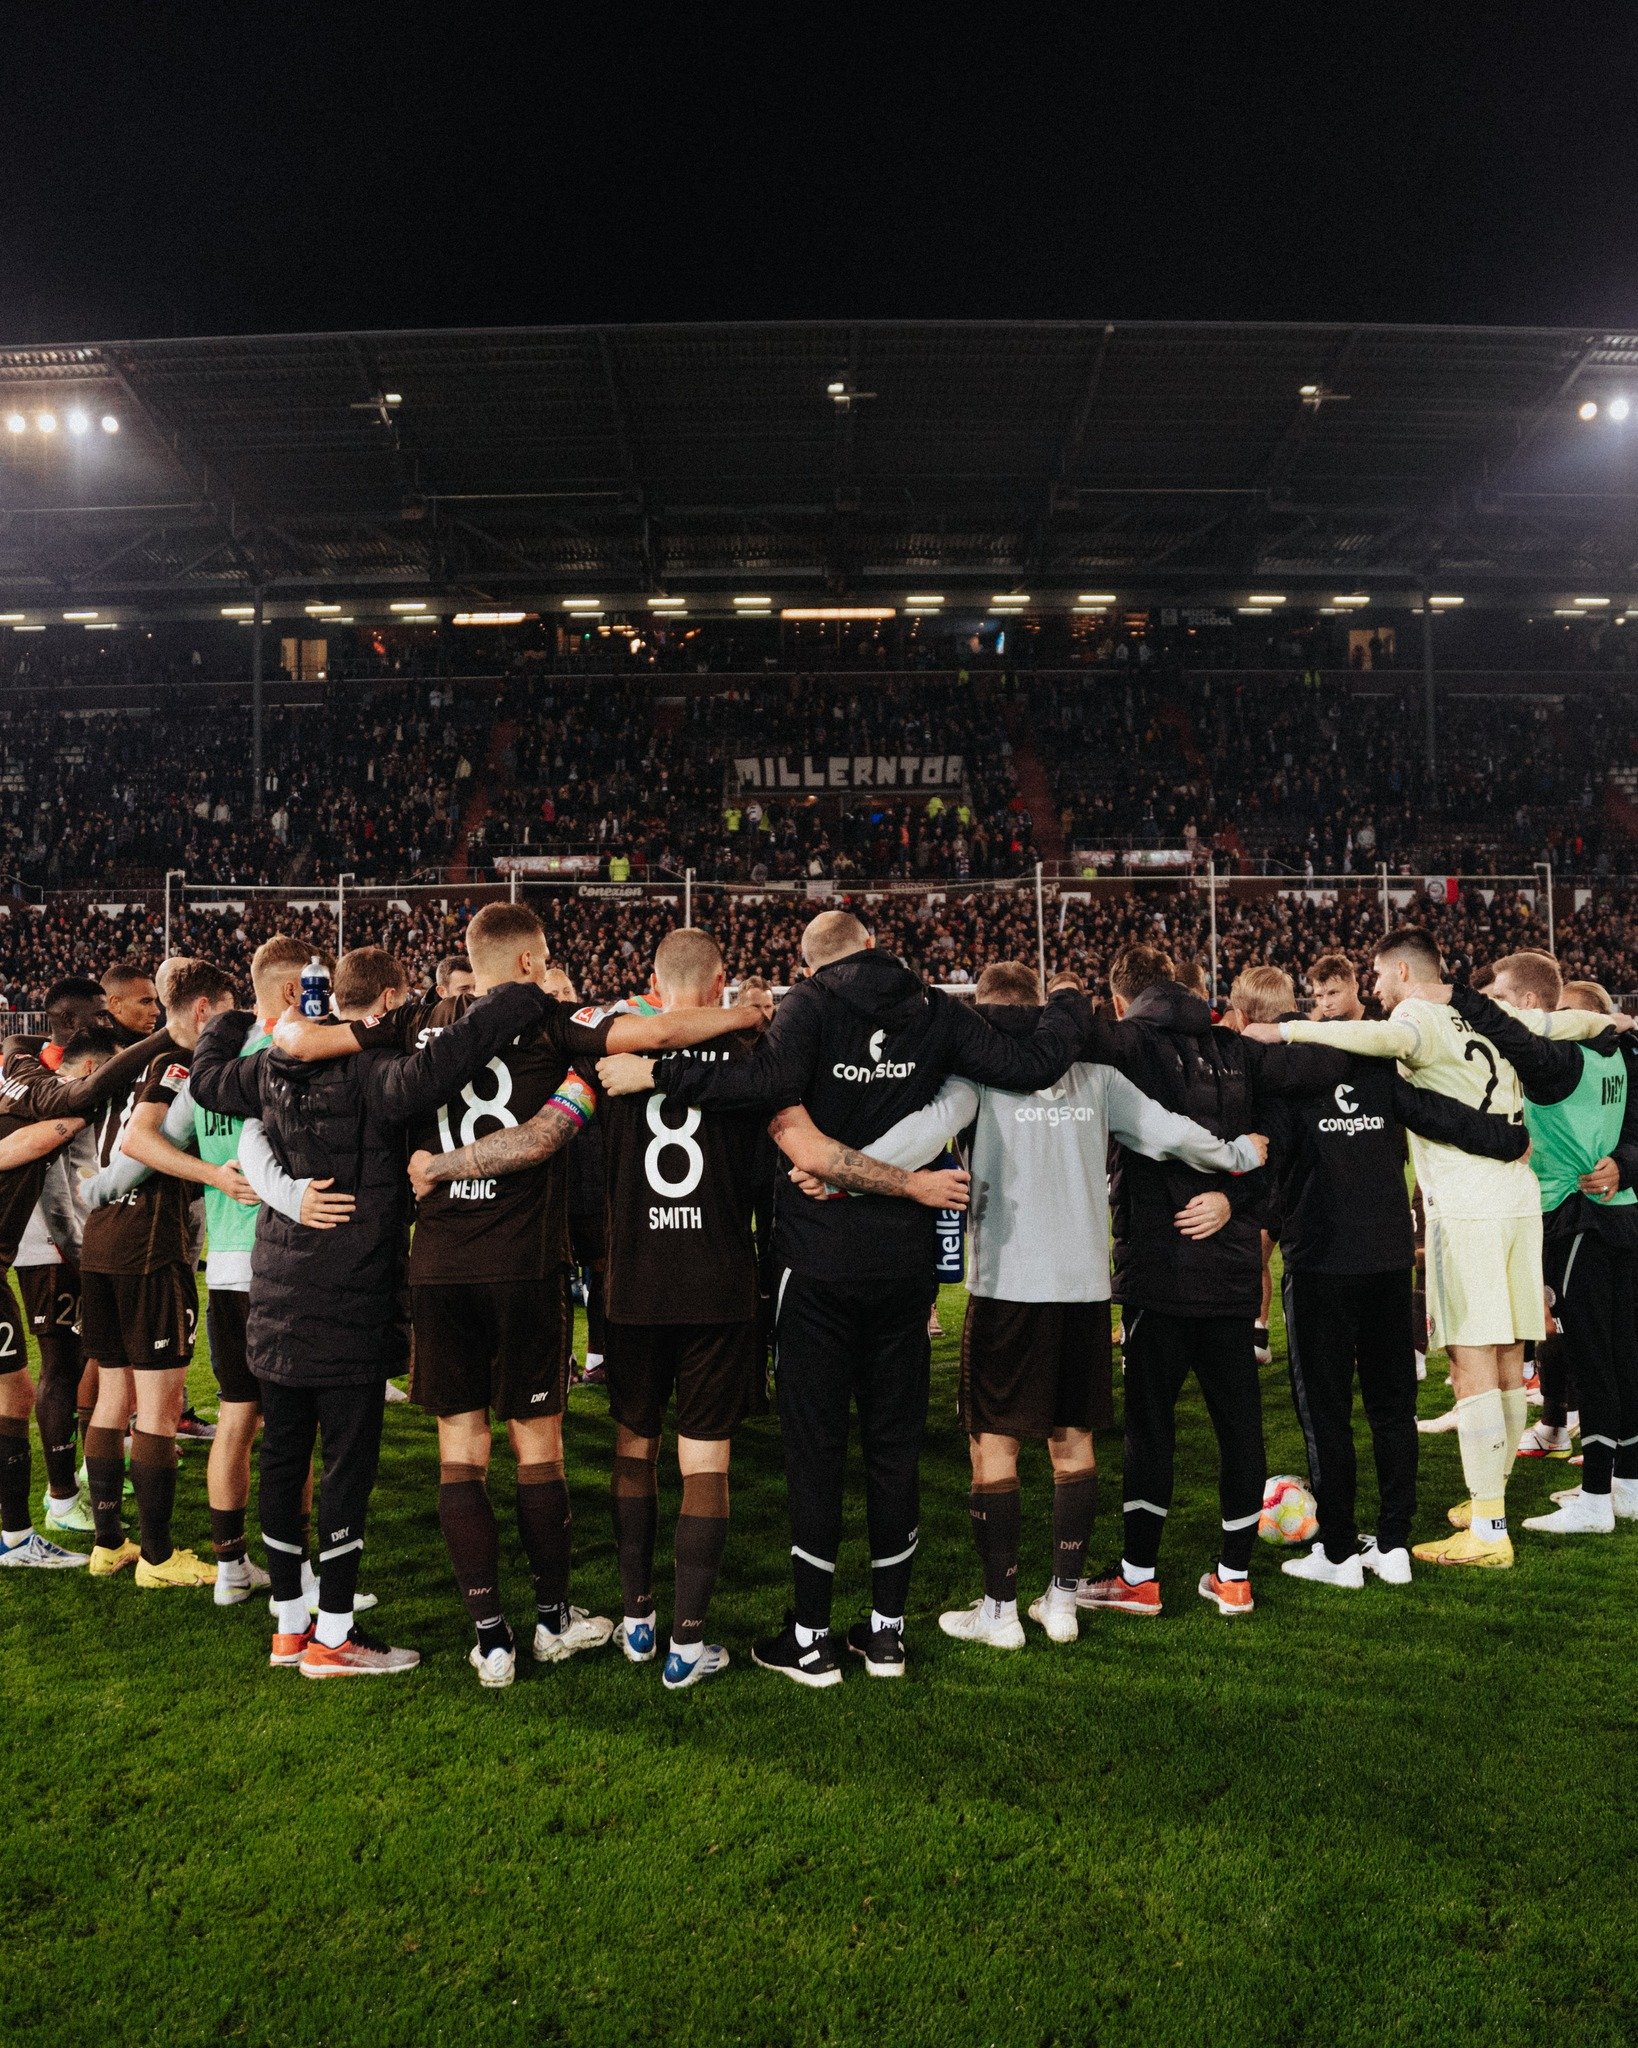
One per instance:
[(817, 1158), (510, 1150), (37, 1141)]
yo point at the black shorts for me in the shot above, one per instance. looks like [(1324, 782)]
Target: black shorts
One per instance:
[(13, 1344), (226, 1311), (51, 1300), (503, 1345), (714, 1369), (142, 1320), (1030, 1367)]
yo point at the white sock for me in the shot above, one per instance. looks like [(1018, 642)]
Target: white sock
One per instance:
[(593, 1358), (1136, 1574), (1059, 1596), (995, 1610), (294, 1620), (53, 1500), (1227, 1576), (232, 1571), (688, 1652), (895, 1622), (807, 1637), (309, 1580), (334, 1629), (12, 1537), (1490, 1528), (637, 1621)]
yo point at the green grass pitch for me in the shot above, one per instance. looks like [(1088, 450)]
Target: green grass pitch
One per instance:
[(1397, 1816)]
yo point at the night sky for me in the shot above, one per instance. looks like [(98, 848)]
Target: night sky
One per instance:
[(196, 170)]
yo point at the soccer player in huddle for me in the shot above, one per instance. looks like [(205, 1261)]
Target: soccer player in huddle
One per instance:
[(1035, 1349), (489, 1270), (1484, 1222)]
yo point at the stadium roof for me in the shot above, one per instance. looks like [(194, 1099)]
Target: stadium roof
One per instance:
[(821, 462)]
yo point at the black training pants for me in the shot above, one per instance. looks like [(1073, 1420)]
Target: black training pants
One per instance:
[(838, 1347), (1590, 1282), (1161, 1351), (1337, 1325), (347, 1423)]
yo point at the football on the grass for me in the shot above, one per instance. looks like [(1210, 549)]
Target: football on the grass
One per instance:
[(1288, 1514)]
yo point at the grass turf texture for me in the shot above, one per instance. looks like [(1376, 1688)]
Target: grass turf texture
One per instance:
[(1401, 1815)]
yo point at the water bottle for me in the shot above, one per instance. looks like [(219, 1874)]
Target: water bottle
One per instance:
[(315, 989)]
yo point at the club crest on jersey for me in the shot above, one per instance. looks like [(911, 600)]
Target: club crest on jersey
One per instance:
[(590, 1016)]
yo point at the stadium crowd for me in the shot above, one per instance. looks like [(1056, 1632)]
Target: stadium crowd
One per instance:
[(603, 938)]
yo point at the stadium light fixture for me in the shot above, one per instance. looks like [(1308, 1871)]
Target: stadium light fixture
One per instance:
[(414, 604), (321, 611), (110, 425), (1444, 603), (78, 618), (582, 604), (1096, 597), (838, 611), (1587, 409), (1008, 600), (489, 618), (1590, 603), (102, 625), (668, 604), (1618, 408), (46, 422), (1265, 597), (1255, 611), (392, 398), (925, 599), (418, 619), (752, 604), (238, 611), (1350, 603), (79, 422), (28, 629), (836, 388), (15, 423), (1567, 611), (12, 618)]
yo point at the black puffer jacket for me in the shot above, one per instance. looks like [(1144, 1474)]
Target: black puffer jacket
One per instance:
[(1215, 1076), (324, 1304)]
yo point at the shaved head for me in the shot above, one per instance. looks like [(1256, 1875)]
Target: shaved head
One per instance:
[(688, 963), (832, 935)]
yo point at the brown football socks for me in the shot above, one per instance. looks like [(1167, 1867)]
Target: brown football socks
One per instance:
[(635, 1502), (1074, 1505), (473, 1539), (153, 1478), (14, 1470), (54, 1413), (702, 1537), (227, 1534), (997, 1532), (105, 1476), (546, 1527)]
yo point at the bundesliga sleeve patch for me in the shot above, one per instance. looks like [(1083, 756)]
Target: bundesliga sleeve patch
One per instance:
[(173, 1077), (590, 1016)]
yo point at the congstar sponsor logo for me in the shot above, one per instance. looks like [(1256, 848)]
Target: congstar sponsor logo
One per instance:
[(1353, 1121), (879, 1069)]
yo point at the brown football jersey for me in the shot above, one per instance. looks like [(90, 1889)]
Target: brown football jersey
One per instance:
[(149, 1228), (511, 1226)]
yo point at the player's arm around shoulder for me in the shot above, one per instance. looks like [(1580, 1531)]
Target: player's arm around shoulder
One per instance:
[(820, 1164), (514, 1148)]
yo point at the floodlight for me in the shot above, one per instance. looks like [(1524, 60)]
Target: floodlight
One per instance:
[(1587, 409), (15, 423), (79, 422), (110, 425), (1619, 408), (46, 422)]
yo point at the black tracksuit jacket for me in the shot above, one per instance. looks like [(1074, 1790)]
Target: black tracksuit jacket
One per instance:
[(862, 1043)]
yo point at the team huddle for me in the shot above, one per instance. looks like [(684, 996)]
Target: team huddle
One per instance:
[(386, 1188)]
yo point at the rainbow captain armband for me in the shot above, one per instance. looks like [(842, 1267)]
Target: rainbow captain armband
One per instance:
[(576, 1100)]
